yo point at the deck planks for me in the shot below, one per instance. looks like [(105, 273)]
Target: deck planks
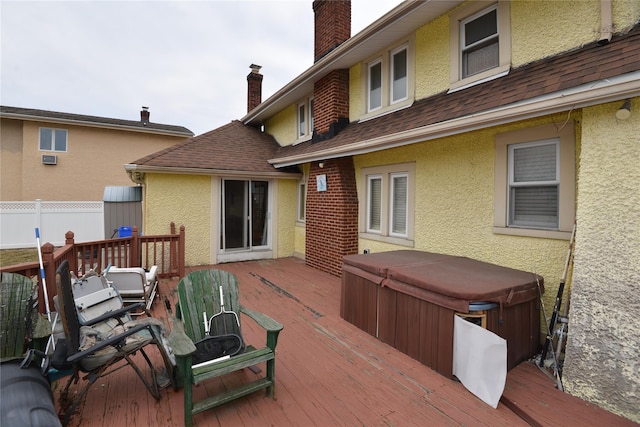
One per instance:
[(328, 372)]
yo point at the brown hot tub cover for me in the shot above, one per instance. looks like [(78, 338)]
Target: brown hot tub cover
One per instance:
[(449, 281)]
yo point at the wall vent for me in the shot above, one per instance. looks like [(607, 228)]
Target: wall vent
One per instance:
[(49, 160)]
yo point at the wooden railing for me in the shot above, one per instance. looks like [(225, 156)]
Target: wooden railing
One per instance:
[(167, 251)]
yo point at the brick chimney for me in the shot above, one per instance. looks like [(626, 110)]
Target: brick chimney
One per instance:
[(254, 87), (332, 25), (144, 115), (331, 214), (331, 92)]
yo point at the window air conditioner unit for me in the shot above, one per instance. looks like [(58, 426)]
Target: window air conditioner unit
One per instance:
[(49, 160)]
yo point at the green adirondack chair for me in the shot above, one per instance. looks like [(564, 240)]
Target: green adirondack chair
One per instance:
[(199, 293), (21, 325)]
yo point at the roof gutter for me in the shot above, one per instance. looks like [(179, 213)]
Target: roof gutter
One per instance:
[(593, 93), (136, 172), (88, 123)]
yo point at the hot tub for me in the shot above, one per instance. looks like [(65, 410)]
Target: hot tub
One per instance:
[(408, 299)]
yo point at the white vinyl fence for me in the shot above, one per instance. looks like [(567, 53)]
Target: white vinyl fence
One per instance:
[(18, 221)]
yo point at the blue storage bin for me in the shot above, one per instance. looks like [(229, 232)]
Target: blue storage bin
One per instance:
[(125, 231)]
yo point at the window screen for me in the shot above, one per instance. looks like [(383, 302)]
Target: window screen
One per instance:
[(480, 48), (534, 184)]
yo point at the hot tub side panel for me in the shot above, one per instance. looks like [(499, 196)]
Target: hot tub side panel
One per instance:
[(359, 301), (421, 329), (520, 326)]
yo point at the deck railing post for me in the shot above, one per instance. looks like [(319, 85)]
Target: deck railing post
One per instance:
[(181, 251), (134, 249), (49, 275), (69, 239), (173, 250)]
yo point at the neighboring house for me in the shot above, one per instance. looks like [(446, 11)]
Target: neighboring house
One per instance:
[(50, 155), (478, 129)]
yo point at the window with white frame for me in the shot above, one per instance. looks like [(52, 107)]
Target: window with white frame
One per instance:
[(302, 199), (375, 85), (53, 139), (535, 182), (305, 119), (398, 206), (480, 43), (399, 75), (388, 80), (387, 208), (374, 203)]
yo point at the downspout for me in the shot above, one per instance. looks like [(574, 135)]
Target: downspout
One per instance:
[(606, 22)]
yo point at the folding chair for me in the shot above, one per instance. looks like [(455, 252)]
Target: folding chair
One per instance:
[(106, 343), (135, 284)]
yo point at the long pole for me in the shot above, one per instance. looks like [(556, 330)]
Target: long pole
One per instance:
[(556, 306), (44, 290)]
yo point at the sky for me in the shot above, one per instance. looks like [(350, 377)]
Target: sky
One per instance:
[(185, 60)]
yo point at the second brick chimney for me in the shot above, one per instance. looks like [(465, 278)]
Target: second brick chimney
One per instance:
[(254, 87), (332, 24), (144, 115)]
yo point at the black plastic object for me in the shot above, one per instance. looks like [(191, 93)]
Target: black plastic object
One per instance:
[(27, 400)]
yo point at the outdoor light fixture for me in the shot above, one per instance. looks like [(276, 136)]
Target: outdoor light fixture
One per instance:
[(321, 165), (625, 110)]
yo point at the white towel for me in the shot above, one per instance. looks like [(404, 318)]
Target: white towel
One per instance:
[(479, 360)]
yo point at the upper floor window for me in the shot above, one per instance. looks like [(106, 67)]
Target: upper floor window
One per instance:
[(305, 119), (375, 85), (399, 75), (387, 212), (387, 81), (535, 182), (53, 139), (480, 43)]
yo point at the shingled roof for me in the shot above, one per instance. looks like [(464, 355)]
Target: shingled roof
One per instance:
[(591, 63), (86, 120), (232, 147)]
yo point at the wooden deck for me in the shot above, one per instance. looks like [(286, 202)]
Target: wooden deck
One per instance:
[(330, 373)]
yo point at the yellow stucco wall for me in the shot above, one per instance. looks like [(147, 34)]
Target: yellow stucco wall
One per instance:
[(356, 104), (193, 201), (95, 158), (300, 240), (604, 320), (286, 220), (184, 200), (454, 209), (538, 29), (432, 58), (282, 126), (545, 28), (625, 14)]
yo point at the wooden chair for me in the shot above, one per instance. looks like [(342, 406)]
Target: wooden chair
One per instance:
[(198, 293), (20, 322), (26, 392)]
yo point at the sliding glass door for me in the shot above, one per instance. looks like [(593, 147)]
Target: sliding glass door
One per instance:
[(244, 216)]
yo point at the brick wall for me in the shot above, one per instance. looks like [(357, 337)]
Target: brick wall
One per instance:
[(330, 104), (331, 216), (332, 25), (254, 87)]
